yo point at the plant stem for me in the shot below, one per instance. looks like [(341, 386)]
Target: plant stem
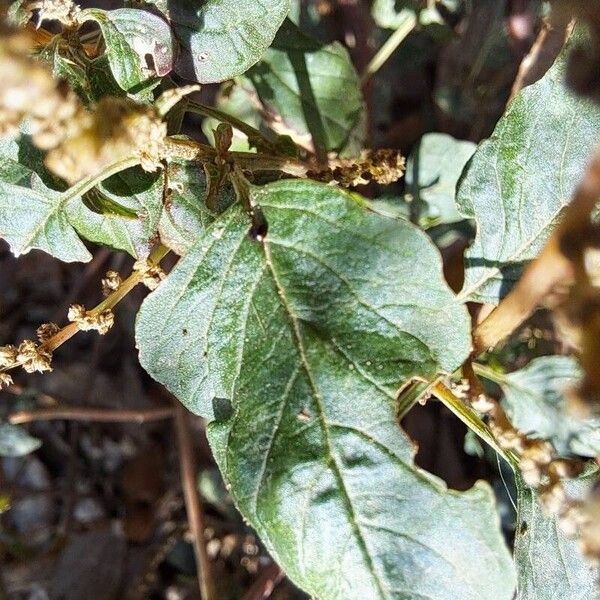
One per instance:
[(266, 583), (67, 332), (489, 374), (97, 415), (193, 504), (472, 420), (408, 23), (409, 395), (86, 184), (250, 132), (247, 161)]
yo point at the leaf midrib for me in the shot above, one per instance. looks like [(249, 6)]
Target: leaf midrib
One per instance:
[(295, 327)]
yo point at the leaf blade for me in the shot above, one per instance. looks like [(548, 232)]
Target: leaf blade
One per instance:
[(298, 365)]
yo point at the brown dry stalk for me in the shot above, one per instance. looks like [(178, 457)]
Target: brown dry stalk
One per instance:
[(96, 415), (193, 504), (551, 269), (547, 46)]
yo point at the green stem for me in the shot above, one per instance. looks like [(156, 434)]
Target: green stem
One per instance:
[(250, 132), (409, 395), (408, 23), (85, 185), (473, 421), (489, 374)]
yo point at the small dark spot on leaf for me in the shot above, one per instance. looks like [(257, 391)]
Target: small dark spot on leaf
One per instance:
[(222, 408), (523, 528), (184, 331)]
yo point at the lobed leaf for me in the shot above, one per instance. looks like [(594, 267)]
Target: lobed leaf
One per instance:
[(295, 348)]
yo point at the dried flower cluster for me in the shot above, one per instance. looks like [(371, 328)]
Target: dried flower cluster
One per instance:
[(111, 283), (47, 330), (30, 93), (79, 142), (65, 11), (152, 274), (29, 355), (91, 321), (118, 129), (379, 166), (543, 471)]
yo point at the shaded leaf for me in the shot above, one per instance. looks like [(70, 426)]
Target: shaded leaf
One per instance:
[(136, 193), (550, 565), (300, 83), (15, 441), (139, 44), (519, 180), (297, 346), (185, 216), (223, 38), (536, 403), (432, 172)]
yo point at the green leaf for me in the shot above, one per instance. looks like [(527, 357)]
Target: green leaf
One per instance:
[(185, 216), (135, 192), (300, 83), (519, 180), (389, 13), (221, 39), (550, 565), (131, 36), (33, 215), (296, 347), (15, 441), (432, 172), (536, 404)]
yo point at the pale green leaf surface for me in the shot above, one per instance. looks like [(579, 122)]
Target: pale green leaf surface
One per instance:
[(130, 36), (185, 217), (296, 347), (550, 565), (520, 179), (221, 39), (15, 441), (313, 89), (432, 172), (32, 216), (536, 403), (135, 190)]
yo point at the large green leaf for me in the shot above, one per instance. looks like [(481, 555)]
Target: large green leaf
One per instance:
[(300, 83), (31, 214), (521, 178), (295, 347), (550, 565), (536, 403), (223, 38)]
